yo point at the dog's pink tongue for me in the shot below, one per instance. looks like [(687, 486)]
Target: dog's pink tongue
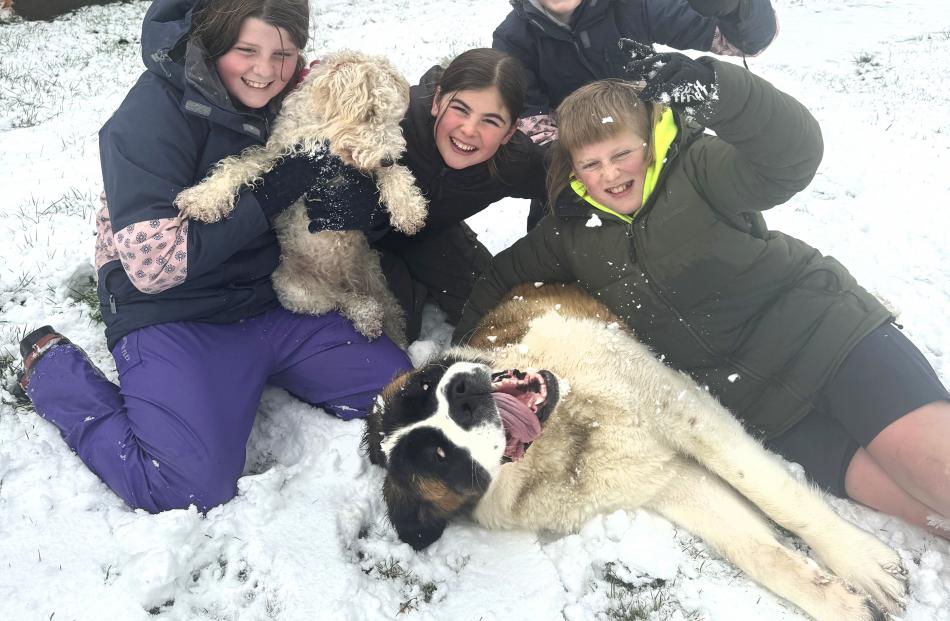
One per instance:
[(521, 424)]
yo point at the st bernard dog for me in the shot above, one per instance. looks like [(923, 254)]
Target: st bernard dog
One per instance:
[(553, 413)]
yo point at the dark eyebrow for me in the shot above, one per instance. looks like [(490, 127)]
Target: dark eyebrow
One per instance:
[(491, 115)]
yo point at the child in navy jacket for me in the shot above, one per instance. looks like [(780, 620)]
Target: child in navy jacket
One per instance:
[(564, 44)]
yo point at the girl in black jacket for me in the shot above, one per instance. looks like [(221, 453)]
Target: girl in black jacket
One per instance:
[(463, 147)]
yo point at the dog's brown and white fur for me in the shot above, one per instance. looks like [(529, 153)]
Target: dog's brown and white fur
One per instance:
[(620, 431), (355, 102)]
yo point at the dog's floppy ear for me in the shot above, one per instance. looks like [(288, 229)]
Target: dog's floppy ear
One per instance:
[(372, 442), (415, 522)]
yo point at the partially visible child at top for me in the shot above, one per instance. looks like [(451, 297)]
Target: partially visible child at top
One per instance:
[(191, 317), (565, 44), (663, 223)]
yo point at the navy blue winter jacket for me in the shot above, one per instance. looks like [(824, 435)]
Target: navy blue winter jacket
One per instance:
[(558, 59), (173, 125)]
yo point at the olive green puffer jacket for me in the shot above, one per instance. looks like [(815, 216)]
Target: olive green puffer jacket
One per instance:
[(759, 317)]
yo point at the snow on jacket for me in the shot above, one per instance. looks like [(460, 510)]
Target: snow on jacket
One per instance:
[(761, 318), (559, 59), (174, 124)]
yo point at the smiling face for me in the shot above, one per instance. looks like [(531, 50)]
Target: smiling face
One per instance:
[(613, 171), (470, 126), (259, 64)]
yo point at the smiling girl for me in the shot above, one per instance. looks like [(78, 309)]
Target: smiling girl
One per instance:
[(463, 147), (191, 317)]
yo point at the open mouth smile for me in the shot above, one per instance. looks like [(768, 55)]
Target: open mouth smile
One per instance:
[(462, 147), (619, 190), (524, 400), (256, 85)]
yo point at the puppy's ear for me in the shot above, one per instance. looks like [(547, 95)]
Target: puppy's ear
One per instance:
[(373, 434), (415, 523)]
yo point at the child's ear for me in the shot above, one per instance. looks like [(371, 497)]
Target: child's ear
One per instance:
[(511, 132)]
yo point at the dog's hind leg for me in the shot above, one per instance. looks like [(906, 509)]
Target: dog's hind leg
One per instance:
[(704, 505), (696, 425)]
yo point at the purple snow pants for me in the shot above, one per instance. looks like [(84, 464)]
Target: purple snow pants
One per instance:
[(175, 433)]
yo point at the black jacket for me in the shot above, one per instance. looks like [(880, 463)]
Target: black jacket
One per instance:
[(558, 59)]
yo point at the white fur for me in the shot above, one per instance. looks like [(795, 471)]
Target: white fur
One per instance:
[(356, 102), (652, 438)]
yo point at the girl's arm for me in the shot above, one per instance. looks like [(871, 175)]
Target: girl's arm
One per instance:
[(537, 257), (768, 148), (145, 164), (676, 23)]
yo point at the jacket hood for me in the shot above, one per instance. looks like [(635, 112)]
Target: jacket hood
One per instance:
[(168, 53), (164, 34)]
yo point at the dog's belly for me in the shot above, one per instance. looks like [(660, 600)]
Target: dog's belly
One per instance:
[(589, 459)]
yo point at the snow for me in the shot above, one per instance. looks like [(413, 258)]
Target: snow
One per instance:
[(307, 536)]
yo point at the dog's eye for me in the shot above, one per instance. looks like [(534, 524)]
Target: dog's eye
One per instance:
[(436, 454)]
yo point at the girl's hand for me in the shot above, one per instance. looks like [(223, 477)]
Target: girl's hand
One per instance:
[(344, 200)]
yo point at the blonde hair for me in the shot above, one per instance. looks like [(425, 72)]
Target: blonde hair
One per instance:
[(593, 113)]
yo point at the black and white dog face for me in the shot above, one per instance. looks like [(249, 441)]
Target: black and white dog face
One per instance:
[(438, 433)]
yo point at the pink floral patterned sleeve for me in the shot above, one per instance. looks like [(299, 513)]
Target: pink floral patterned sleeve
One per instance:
[(154, 254)]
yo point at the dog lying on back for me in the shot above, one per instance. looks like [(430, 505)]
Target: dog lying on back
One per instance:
[(353, 102), (613, 428)]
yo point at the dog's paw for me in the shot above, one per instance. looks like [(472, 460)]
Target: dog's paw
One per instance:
[(366, 315), (873, 568), (199, 203), (404, 201)]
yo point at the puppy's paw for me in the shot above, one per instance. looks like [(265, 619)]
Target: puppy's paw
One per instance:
[(404, 201), (366, 315), (201, 203)]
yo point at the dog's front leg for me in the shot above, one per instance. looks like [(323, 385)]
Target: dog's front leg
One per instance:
[(402, 198), (700, 427), (213, 198), (710, 509)]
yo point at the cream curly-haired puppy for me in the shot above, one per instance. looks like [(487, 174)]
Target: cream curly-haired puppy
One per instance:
[(354, 102)]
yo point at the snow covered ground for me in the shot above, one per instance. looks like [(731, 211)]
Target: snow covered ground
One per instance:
[(307, 536)]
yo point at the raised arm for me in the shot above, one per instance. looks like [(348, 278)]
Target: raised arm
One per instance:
[(729, 27), (767, 145)]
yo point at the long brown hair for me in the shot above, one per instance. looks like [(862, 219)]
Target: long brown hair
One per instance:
[(582, 120), (481, 68), (216, 25)]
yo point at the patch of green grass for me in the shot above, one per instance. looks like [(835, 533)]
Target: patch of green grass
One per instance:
[(415, 591)]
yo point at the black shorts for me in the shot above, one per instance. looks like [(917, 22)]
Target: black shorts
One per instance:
[(883, 378)]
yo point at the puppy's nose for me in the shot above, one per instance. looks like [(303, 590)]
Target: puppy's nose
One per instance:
[(386, 162)]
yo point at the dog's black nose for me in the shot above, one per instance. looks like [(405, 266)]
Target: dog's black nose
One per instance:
[(467, 394), (386, 162)]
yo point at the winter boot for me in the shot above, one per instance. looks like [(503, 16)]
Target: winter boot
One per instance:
[(32, 348)]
